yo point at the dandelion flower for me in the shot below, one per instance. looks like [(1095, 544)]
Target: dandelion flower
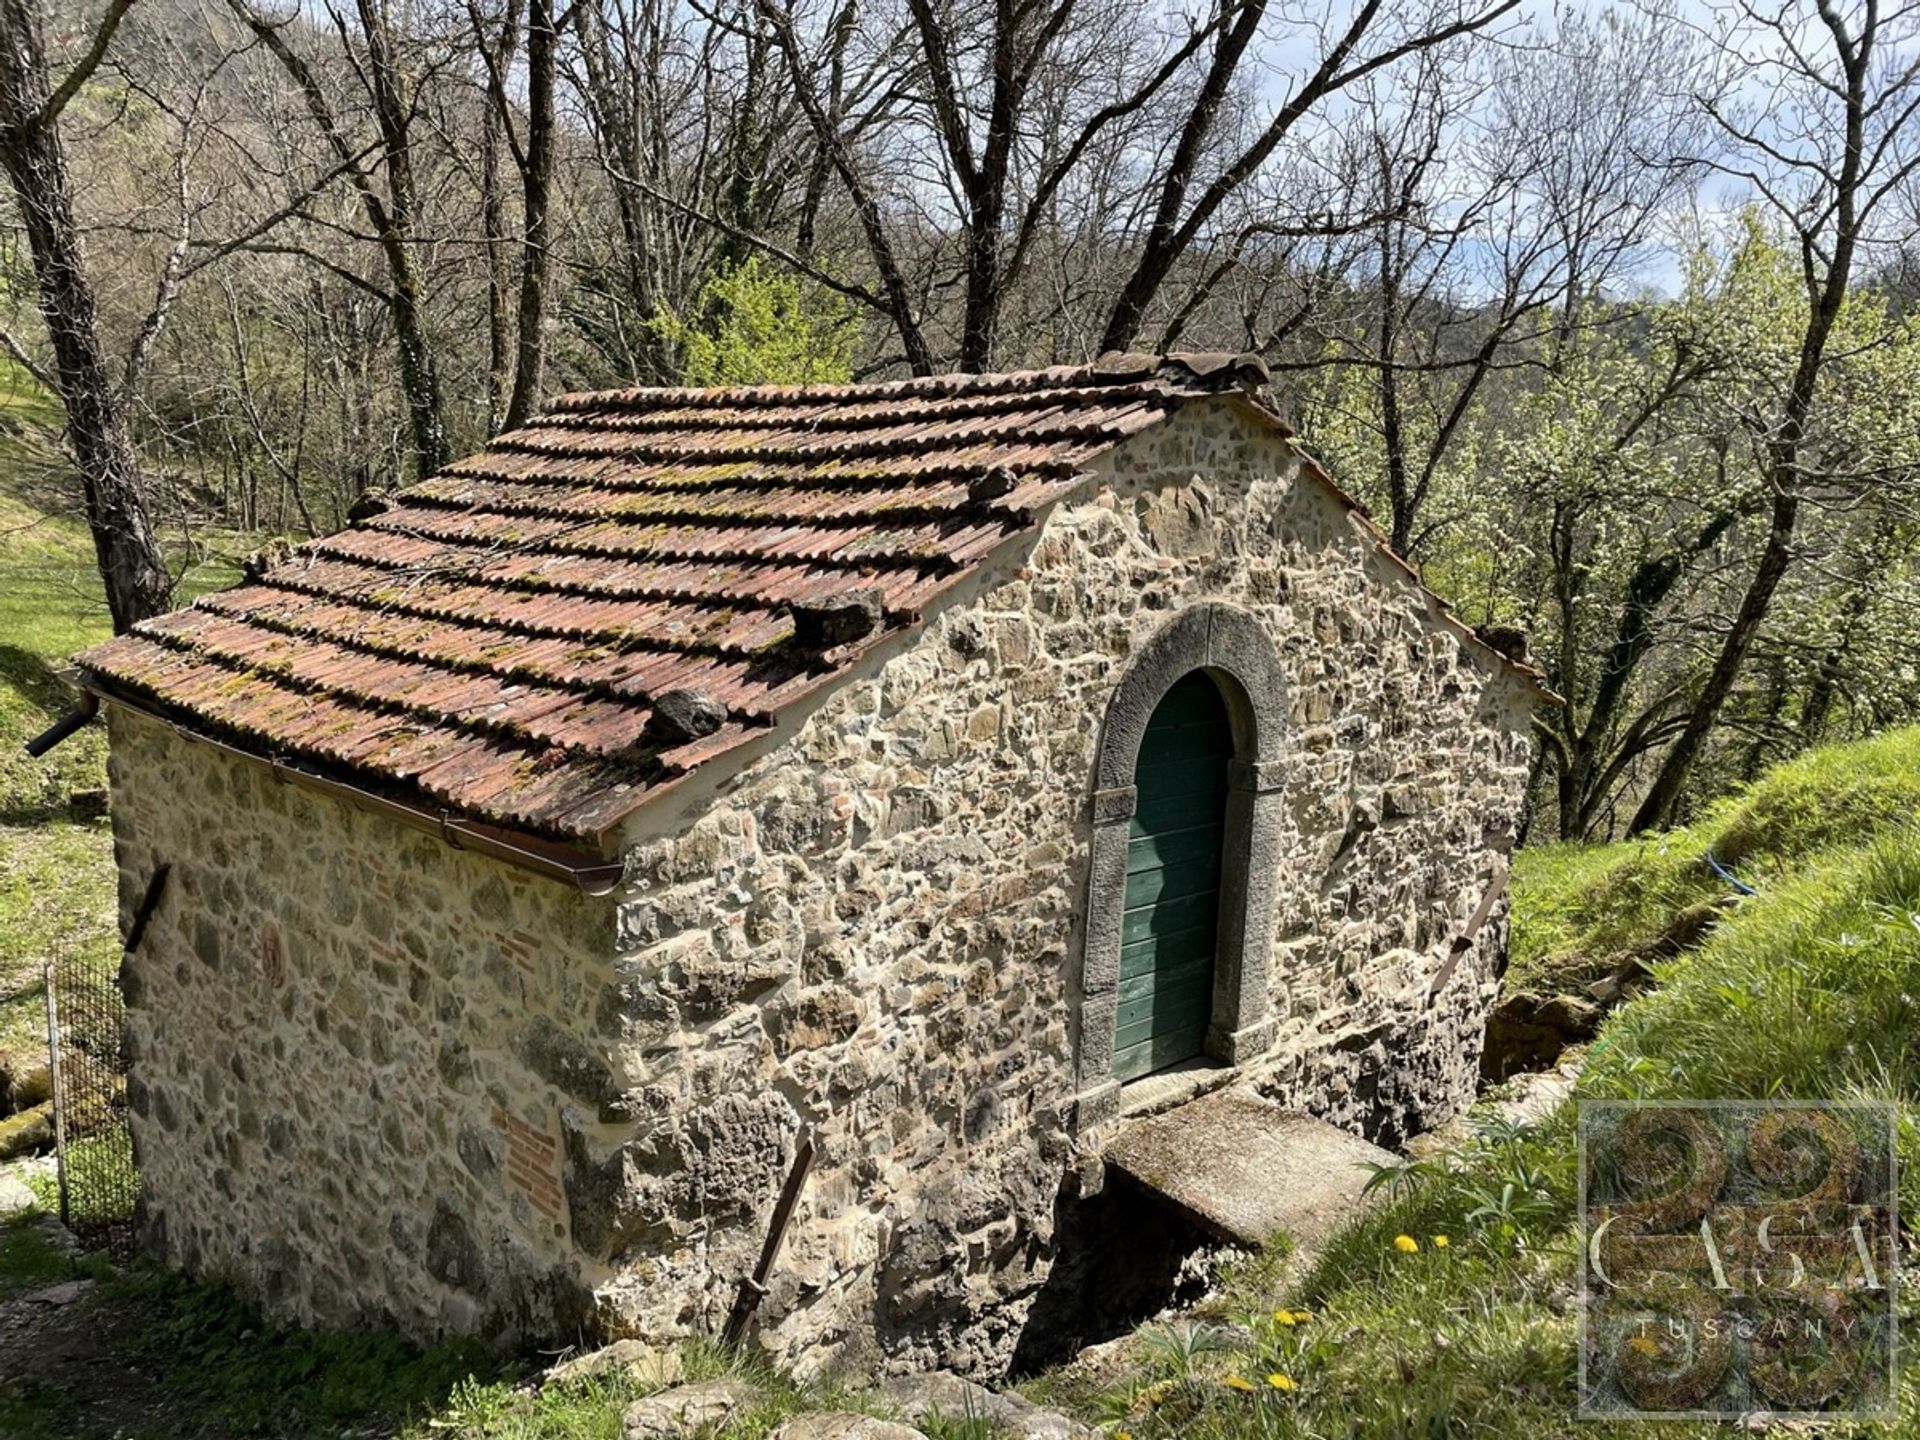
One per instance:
[(1239, 1382), (1282, 1383), (1300, 1317), (1123, 1435), (1283, 1317), (1156, 1394), (1405, 1244), (1440, 1242), (1643, 1345)]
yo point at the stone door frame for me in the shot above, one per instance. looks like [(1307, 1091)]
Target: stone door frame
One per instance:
[(1232, 647)]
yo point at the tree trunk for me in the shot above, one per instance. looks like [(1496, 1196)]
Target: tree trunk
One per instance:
[(493, 220), (1818, 705), (419, 370), (1849, 182), (530, 354), (1663, 796), (124, 542)]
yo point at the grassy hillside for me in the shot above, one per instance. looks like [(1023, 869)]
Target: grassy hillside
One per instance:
[(55, 873), (1581, 910)]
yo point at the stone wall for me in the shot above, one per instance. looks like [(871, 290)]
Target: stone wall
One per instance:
[(378, 1076), (346, 1038), (873, 929)]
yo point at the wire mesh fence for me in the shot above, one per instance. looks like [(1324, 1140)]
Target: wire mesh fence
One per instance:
[(99, 1186)]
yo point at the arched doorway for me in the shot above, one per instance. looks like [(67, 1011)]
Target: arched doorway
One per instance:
[(1228, 651), (1171, 917)]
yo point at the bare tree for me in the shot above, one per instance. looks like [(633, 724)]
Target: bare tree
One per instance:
[(532, 150), (124, 541), (1185, 203), (696, 129), (391, 208), (1493, 203)]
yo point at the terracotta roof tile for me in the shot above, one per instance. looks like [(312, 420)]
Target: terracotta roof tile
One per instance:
[(493, 644)]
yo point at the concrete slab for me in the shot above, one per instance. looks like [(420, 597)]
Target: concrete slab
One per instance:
[(1244, 1169)]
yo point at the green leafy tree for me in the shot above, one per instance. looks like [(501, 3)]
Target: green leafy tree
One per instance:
[(1611, 503), (754, 325)]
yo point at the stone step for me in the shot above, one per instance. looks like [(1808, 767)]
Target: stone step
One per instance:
[(1245, 1170), (960, 1402)]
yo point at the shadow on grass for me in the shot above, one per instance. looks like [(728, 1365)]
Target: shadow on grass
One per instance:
[(37, 682), (33, 696), (196, 1354), (215, 1351)]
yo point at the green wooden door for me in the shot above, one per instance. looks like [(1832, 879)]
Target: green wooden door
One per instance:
[(1173, 881)]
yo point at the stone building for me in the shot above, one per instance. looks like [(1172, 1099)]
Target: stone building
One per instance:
[(949, 768)]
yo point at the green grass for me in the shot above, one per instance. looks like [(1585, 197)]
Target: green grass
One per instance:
[(206, 1353), (56, 900), (50, 607), (52, 604), (100, 1172), (1587, 909), (28, 1260), (38, 1412), (56, 871), (1811, 991), (590, 1409)]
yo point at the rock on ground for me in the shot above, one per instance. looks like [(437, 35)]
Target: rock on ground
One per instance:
[(24, 1084), (27, 1133), (1108, 1363), (843, 1425), (634, 1358), (1528, 1032), (64, 1293), (14, 1194), (955, 1397), (686, 1409), (1531, 1098)]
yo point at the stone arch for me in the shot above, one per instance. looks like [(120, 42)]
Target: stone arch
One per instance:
[(1234, 649)]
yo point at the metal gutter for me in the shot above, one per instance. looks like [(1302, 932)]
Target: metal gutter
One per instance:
[(589, 874)]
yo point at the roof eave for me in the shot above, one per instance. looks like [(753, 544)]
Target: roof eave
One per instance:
[(592, 874)]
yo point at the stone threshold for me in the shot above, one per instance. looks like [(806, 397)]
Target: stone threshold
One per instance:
[(1246, 1170), (1189, 1080)]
